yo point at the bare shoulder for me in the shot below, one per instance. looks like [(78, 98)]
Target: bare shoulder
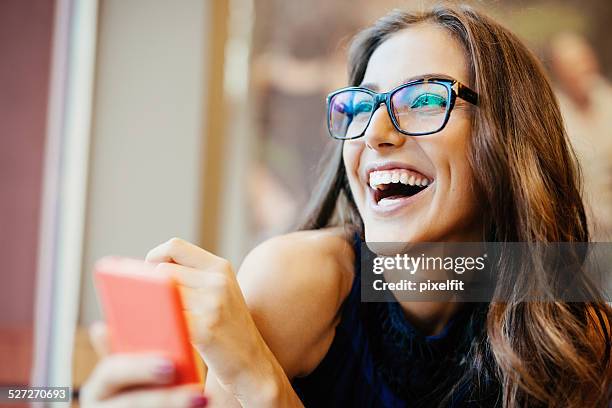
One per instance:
[(294, 286), (320, 260)]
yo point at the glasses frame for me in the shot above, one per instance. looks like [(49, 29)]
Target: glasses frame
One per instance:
[(462, 92)]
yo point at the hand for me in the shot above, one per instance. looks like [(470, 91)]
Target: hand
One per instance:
[(220, 324), (114, 380)]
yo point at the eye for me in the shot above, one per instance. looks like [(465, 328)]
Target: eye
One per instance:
[(429, 100)]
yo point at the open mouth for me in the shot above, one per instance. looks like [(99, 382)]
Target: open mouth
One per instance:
[(392, 185)]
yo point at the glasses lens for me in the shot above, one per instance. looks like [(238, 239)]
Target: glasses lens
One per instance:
[(420, 108), (349, 113)]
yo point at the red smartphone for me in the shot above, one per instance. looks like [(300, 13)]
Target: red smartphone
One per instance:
[(144, 313)]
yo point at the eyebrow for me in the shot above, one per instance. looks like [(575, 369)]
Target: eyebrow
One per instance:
[(374, 87)]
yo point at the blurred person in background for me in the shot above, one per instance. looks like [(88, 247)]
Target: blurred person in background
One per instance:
[(468, 145), (585, 98)]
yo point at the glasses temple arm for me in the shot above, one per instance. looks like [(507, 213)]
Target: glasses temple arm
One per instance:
[(466, 94)]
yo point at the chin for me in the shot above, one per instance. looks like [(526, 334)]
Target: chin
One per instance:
[(396, 231)]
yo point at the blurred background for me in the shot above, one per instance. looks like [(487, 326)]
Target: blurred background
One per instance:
[(124, 123)]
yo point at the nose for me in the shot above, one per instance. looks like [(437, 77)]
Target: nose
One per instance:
[(381, 134)]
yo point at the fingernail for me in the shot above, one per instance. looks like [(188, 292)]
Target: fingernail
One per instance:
[(164, 370), (199, 401)]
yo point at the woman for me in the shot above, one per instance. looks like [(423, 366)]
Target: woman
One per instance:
[(491, 163)]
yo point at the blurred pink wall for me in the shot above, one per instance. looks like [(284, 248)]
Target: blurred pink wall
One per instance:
[(25, 49)]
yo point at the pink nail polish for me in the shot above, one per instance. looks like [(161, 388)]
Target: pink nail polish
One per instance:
[(199, 401)]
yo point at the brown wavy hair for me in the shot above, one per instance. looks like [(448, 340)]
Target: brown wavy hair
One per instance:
[(549, 354)]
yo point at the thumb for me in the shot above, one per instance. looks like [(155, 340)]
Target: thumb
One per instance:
[(98, 335)]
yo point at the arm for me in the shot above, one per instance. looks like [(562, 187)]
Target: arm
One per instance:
[(294, 286), (308, 273), (277, 324)]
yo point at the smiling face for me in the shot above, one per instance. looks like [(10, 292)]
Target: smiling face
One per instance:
[(439, 203)]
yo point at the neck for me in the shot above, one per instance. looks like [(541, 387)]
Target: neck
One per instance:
[(430, 318)]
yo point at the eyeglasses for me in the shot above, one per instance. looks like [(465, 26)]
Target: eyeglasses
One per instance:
[(417, 108)]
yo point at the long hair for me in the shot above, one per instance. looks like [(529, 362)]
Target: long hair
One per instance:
[(553, 354)]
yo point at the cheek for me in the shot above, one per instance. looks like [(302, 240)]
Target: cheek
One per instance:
[(462, 178), (351, 154), (449, 152), (458, 200)]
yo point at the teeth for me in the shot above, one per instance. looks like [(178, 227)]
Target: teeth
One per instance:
[(380, 179), (386, 202)]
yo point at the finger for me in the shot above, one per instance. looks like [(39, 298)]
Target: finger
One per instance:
[(200, 301), (193, 278), (192, 299), (98, 335), (183, 275), (120, 371), (188, 396), (182, 252)]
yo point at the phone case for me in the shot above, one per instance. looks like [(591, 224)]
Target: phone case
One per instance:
[(144, 313)]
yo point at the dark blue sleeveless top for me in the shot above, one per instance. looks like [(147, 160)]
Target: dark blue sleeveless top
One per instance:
[(377, 359)]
